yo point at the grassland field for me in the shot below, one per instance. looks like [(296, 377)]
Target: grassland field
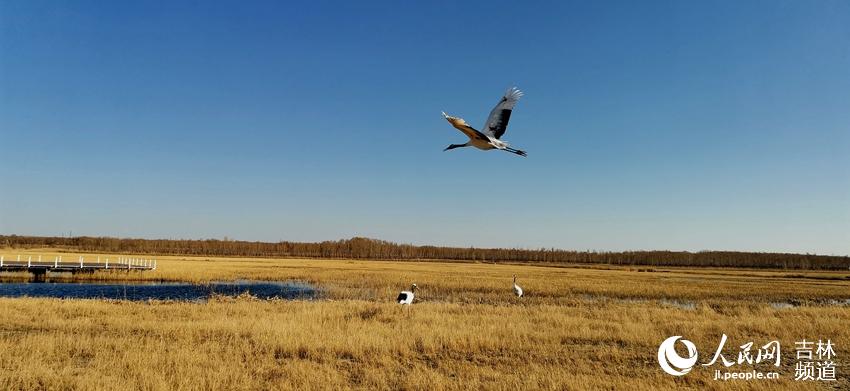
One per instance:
[(579, 327)]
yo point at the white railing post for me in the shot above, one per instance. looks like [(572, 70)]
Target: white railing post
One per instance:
[(55, 261), (98, 259), (81, 262), (1, 261), (29, 261), (128, 264), (154, 264), (107, 263)]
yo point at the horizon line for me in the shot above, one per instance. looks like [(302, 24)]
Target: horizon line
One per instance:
[(229, 239)]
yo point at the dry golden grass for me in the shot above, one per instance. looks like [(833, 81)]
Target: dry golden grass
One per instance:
[(579, 328)]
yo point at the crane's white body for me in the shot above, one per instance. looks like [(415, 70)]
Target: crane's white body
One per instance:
[(406, 297), (517, 289), (481, 144), (490, 143)]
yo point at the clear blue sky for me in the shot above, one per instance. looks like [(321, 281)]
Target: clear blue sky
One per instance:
[(682, 125)]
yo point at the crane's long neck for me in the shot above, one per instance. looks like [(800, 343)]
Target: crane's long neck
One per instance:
[(453, 146)]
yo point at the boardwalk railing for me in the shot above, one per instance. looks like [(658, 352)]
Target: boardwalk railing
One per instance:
[(37, 265)]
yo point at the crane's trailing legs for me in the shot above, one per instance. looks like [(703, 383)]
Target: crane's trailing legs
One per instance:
[(516, 151)]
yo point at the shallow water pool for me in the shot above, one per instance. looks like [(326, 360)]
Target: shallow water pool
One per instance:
[(136, 290)]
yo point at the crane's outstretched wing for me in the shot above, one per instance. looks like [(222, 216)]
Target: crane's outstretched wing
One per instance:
[(461, 125), (497, 122)]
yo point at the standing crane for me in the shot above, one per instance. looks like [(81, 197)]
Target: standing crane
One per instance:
[(517, 289), (497, 124)]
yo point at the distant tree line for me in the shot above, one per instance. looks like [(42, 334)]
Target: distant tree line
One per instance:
[(365, 248)]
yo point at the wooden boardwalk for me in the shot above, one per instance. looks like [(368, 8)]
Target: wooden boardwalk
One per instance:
[(37, 265)]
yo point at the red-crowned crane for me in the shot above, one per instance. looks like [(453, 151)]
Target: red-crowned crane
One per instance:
[(517, 289), (497, 124)]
